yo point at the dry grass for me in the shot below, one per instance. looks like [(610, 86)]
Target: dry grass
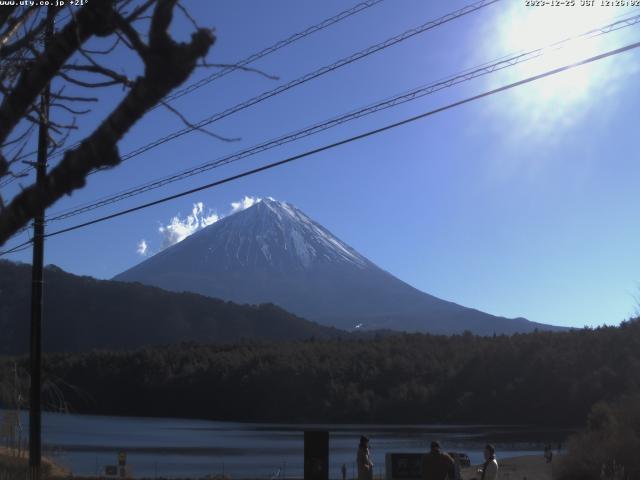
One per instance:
[(14, 467), (531, 467)]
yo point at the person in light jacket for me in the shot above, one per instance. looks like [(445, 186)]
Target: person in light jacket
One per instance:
[(365, 465), (490, 466)]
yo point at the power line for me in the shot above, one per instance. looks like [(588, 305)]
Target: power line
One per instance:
[(353, 138), (273, 48), (315, 74), (467, 75), (17, 248), (312, 75), (10, 179), (241, 63), (306, 78)]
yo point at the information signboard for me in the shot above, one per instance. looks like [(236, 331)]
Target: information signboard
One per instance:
[(316, 455), (111, 471), (403, 466)]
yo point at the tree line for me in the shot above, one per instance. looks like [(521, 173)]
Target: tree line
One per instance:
[(542, 378)]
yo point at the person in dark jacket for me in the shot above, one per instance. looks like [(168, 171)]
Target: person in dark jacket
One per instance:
[(437, 465), (365, 465)]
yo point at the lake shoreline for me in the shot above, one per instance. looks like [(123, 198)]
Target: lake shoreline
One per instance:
[(173, 448), (331, 425), (531, 467)]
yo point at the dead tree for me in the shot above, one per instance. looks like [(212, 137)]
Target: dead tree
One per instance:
[(27, 67)]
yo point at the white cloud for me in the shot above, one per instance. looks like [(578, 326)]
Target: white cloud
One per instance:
[(180, 228), (243, 204), (143, 248)]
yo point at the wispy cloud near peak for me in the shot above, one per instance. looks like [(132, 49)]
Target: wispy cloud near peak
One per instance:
[(180, 228), (244, 203), (143, 248)]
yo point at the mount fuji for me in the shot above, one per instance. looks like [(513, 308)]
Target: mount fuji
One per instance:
[(273, 253)]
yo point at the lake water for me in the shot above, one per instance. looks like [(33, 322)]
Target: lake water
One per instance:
[(165, 447)]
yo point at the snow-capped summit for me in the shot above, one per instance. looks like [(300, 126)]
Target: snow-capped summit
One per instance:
[(272, 252), (269, 235), (278, 229)]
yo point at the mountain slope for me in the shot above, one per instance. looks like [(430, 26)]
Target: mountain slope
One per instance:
[(82, 313), (272, 252)]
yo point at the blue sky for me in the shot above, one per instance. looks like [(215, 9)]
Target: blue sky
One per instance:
[(520, 204)]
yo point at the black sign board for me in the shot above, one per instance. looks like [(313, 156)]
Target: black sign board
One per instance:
[(316, 455), (111, 470), (404, 466)]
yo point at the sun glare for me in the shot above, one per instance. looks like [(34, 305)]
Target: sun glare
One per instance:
[(555, 98)]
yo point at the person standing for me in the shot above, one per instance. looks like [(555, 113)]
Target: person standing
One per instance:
[(437, 465), (344, 471), (365, 465), (490, 467), (548, 453)]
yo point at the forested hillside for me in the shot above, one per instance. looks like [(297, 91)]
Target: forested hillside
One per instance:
[(539, 378), (82, 313)]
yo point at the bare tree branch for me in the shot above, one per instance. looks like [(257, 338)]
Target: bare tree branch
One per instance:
[(105, 51), (194, 126), (23, 42), (68, 109), (97, 69), (60, 143), (17, 139), (239, 67), (82, 83), (96, 18), (73, 99), (4, 167), (17, 155), (167, 65), (5, 13), (133, 39), (140, 10), (13, 24), (189, 17)]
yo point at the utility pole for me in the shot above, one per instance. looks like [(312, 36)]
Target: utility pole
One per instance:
[(37, 280)]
